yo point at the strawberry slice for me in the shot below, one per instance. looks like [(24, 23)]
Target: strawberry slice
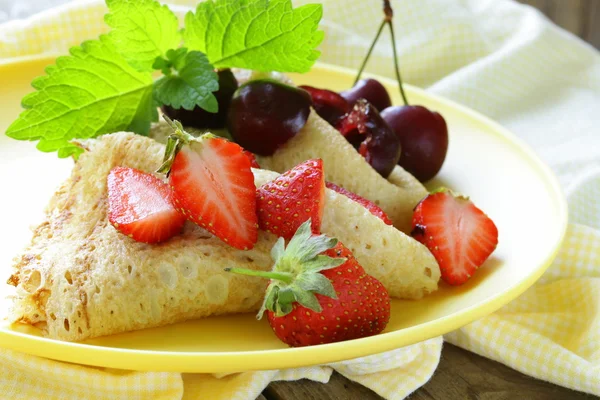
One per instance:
[(139, 205), (213, 186), (459, 235), (368, 204), (291, 199)]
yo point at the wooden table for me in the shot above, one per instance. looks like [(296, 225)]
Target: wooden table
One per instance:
[(461, 374)]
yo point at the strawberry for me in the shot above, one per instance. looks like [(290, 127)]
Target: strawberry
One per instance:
[(252, 158), (292, 198), (319, 293), (459, 235), (139, 206), (368, 204), (213, 186)]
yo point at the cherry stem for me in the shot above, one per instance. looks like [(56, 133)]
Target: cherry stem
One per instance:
[(364, 63), (280, 276), (398, 77), (387, 19), (389, 16)]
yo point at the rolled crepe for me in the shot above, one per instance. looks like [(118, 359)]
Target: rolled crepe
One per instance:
[(397, 196), (80, 278)]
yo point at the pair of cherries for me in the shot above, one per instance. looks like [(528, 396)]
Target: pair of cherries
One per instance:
[(411, 136)]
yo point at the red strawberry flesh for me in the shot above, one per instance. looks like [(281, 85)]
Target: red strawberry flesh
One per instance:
[(459, 235), (214, 187), (368, 204), (140, 206)]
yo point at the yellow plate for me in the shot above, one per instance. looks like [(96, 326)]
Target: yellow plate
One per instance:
[(500, 173)]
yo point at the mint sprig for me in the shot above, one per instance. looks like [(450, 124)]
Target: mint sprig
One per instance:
[(190, 84), (107, 85), (264, 35)]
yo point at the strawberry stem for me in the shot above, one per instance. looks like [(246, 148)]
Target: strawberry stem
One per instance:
[(175, 142), (280, 276)]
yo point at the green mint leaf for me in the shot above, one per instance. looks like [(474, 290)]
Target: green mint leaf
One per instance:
[(191, 85), (91, 92), (263, 35), (142, 30)]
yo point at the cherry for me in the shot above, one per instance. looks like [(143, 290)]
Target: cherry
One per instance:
[(365, 128), (328, 104), (264, 114), (423, 136), (371, 90), (199, 118)]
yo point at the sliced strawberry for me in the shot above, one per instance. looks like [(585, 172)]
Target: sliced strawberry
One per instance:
[(459, 235), (291, 199), (214, 187), (252, 158), (368, 204), (139, 205)]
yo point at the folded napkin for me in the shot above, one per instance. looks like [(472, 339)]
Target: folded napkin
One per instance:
[(498, 57)]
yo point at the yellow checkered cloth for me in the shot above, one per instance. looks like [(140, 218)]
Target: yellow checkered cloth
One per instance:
[(498, 57)]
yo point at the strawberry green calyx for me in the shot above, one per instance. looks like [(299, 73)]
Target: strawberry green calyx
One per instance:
[(295, 276), (175, 142)]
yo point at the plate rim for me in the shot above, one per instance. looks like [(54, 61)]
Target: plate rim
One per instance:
[(215, 362)]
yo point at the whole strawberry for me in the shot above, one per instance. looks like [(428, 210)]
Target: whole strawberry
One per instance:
[(459, 235), (319, 293)]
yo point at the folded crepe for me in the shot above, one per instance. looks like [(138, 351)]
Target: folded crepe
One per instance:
[(80, 278), (397, 195)]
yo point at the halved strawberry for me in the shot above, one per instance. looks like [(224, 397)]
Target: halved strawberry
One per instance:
[(368, 204), (291, 199), (213, 186), (459, 235), (139, 205)]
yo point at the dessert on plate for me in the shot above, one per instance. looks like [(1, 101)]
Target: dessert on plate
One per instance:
[(250, 195)]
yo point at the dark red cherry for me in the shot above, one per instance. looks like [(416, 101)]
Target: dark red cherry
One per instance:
[(264, 114), (328, 104), (364, 127), (424, 138), (199, 118), (371, 90)]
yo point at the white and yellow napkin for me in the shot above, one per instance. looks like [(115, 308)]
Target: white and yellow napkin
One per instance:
[(503, 59)]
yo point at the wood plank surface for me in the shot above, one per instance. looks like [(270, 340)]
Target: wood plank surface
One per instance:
[(461, 374), (580, 17)]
